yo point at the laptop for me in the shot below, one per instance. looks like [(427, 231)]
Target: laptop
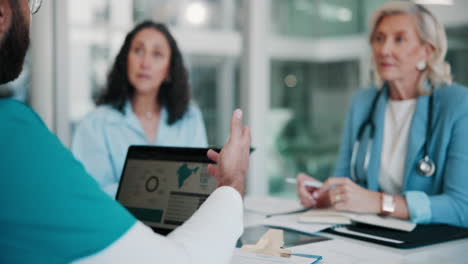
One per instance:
[(164, 186)]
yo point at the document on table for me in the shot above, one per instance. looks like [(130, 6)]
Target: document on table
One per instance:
[(291, 222), (327, 216), (270, 205), (242, 257)]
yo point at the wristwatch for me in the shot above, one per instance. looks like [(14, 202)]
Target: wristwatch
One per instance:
[(388, 204)]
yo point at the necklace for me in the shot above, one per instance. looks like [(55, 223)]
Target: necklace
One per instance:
[(149, 115)]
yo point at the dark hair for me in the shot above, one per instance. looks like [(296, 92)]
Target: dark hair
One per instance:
[(173, 94), (13, 46)]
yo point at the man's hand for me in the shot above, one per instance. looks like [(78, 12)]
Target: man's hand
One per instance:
[(233, 160)]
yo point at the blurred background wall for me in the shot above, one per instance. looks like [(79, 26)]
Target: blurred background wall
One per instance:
[(292, 65)]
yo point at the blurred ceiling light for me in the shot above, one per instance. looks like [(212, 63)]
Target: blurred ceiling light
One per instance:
[(434, 2), (335, 13), (196, 13), (291, 81), (344, 14)]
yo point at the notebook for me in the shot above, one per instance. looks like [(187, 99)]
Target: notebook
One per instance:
[(327, 216), (422, 235)]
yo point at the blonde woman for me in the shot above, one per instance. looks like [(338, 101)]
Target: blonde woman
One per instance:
[(404, 151)]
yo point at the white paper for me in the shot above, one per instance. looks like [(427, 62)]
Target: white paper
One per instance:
[(291, 222), (350, 251), (338, 217), (325, 216), (270, 205), (387, 222), (241, 257)]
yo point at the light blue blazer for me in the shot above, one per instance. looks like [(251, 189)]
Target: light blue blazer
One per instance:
[(441, 198), (102, 139)]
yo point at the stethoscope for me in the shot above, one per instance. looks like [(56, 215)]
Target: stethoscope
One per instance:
[(425, 167)]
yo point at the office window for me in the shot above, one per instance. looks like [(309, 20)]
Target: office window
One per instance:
[(309, 105), (193, 14), (316, 18), (308, 101), (215, 88), (457, 54)]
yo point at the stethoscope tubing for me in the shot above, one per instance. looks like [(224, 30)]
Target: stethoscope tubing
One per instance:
[(425, 167)]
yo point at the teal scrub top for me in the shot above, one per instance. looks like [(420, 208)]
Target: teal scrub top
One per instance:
[(52, 211)]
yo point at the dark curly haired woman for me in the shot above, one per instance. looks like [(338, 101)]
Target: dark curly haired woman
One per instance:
[(146, 102)]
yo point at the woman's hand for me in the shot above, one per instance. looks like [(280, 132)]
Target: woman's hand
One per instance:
[(345, 195), (309, 195)]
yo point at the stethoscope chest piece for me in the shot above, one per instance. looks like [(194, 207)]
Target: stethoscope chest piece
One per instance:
[(426, 167)]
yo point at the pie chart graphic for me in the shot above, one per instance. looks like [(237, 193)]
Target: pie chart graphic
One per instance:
[(152, 184)]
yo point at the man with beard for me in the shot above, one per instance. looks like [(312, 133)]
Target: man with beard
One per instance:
[(14, 43), (54, 212)]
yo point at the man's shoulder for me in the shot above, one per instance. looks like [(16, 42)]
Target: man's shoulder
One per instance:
[(10, 107), (41, 177), (14, 112)]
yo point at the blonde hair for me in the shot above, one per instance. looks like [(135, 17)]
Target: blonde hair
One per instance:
[(431, 32)]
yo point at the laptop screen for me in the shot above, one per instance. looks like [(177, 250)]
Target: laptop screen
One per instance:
[(163, 187)]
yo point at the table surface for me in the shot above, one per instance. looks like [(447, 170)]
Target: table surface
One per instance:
[(347, 250)]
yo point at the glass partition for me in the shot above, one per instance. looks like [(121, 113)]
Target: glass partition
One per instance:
[(199, 14), (309, 102), (318, 19), (457, 54)]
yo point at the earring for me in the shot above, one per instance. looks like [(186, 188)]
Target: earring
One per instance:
[(421, 65)]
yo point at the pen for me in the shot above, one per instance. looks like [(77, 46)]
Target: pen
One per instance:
[(306, 183)]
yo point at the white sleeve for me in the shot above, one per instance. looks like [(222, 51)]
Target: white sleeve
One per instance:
[(209, 236)]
